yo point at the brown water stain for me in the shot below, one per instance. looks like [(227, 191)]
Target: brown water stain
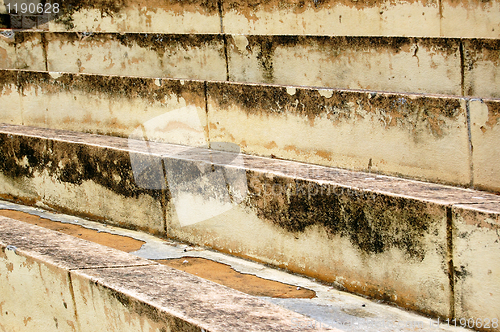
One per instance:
[(122, 243), (217, 272), (246, 283)]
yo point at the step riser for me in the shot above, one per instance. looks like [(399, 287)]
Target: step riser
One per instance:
[(379, 18), (423, 137), (52, 281), (445, 66), (391, 247)]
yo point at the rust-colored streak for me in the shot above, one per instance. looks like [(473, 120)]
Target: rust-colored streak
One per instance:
[(247, 283), (123, 243)]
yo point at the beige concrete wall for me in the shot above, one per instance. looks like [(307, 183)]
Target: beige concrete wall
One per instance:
[(470, 19), (421, 137), (52, 281), (379, 18), (431, 18), (35, 295), (417, 136), (348, 237), (140, 16), (22, 50), (424, 65), (383, 237), (388, 64), (115, 106), (481, 67), (485, 135), (146, 55), (477, 263)]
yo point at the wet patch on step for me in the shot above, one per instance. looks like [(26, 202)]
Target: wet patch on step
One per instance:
[(246, 283), (214, 271), (119, 242)]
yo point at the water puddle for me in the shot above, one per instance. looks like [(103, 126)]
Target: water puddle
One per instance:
[(246, 283), (205, 268), (119, 242)]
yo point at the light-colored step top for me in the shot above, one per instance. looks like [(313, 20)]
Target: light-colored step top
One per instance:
[(427, 247), (444, 139), (466, 18), (424, 65), (328, 306), (55, 281)]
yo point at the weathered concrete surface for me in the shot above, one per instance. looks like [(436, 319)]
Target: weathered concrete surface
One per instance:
[(470, 18), (417, 136), (379, 18), (84, 180), (485, 135), (374, 63), (110, 105), (22, 50), (476, 257), (146, 55), (67, 284), (199, 16), (11, 113), (421, 137), (374, 235), (481, 67), (427, 65)]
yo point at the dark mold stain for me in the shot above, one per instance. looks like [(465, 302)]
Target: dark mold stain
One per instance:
[(372, 222), (247, 8), (114, 86), (159, 43), (115, 7), (21, 156), (112, 169), (390, 109)]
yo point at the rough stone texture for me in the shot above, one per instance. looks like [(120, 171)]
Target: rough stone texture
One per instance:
[(159, 109), (11, 101), (375, 235), (470, 18), (481, 67), (21, 161), (485, 135), (421, 137), (476, 257), (374, 63), (55, 281), (145, 55), (22, 50), (85, 180), (328, 17), (151, 16), (34, 295)]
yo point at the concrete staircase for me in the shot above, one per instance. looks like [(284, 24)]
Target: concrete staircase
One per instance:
[(352, 141)]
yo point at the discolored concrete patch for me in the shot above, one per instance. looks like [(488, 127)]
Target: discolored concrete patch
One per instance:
[(118, 242), (485, 134), (417, 136), (427, 65), (225, 275), (183, 56), (204, 268)]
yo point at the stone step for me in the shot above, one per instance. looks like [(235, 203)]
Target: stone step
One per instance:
[(446, 18), (53, 281), (426, 247), (443, 139), (422, 65), (327, 306)]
